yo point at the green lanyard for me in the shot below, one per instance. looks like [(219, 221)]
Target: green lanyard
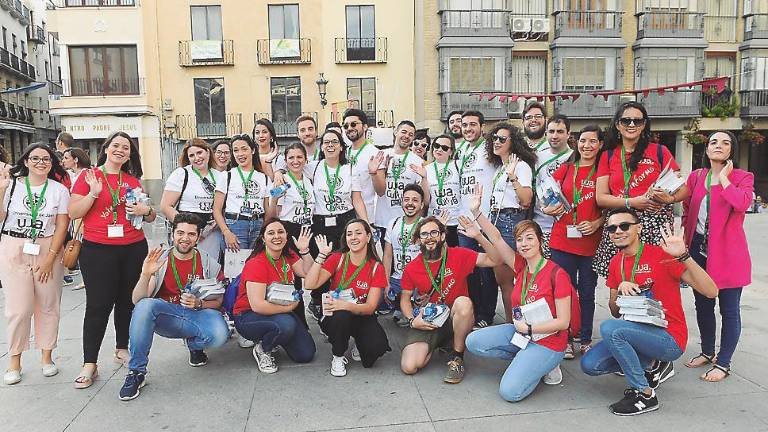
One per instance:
[(708, 198), (343, 284), (550, 160), (302, 190), (526, 284), (634, 265), (283, 267), (332, 184), (115, 193), (578, 192), (176, 272), (210, 174), (440, 177), (627, 172), (464, 157), (502, 169), (405, 241), (316, 156), (437, 286), (541, 143), (246, 181), (397, 170), (353, 159), (34, 205)]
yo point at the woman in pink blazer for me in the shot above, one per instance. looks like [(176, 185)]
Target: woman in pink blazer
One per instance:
[(713, 218)]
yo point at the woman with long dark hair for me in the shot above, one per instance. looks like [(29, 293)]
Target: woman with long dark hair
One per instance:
[(113, 249), (713, 220), (277, 258), (266, 140), (75, 161), (626, 176), (34, 225), (359, 279)]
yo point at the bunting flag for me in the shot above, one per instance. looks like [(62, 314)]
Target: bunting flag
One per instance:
[(717, 84)]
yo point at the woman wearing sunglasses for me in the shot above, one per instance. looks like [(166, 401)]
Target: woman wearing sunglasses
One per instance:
[(190, 188), (626, 176), (420, 145), (713, 219)]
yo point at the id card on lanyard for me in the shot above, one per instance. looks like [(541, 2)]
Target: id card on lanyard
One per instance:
[(30, 247), (114, 230)]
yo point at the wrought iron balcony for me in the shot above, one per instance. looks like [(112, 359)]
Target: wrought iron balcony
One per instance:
[(361, 50), (670, 25), (55, 88), (16, 65), (588, 24), (96, 3), (283, 127), (587, 106), (720, 28), (474, 23), (188, 126), (673, 104), (36, 34), (101, 87), (756, 26), (754, 103), (206, 53), (463, 101), (284, 51)]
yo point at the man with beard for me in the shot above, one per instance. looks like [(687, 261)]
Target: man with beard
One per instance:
[(306, 131), (439, 276), (359, 154), (398, 248), (534, 122), (163, 306), (454, 124)]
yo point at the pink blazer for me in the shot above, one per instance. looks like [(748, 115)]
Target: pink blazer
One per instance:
[(728, 261)]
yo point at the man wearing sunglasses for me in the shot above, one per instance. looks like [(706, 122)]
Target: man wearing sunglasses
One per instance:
[(631, 347), (355, 125)]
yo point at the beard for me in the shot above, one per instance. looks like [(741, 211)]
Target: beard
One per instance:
[(534, 135), (436, 253), (184, 249)]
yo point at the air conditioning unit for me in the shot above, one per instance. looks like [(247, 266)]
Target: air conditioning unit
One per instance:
[(515, 109), (627, 98), (521, 25), (540, 25)]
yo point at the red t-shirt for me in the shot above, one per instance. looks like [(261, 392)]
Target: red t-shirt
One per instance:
[(587, 211), (542, 288), (663, 272), (371, 276), (100, 215), (169, 290), (648, 170), (258, 269), (459, 263)]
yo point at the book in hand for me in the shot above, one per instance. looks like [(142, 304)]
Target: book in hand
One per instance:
[(536, 313), (549, 194), (205, 289), (669, 180)]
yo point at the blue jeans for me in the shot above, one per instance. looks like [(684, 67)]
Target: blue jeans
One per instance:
[(394, 288), (629, 347), (283, 329), (483, 289), (246, 231), (584, 278), (201, 328), (730, 311), (528, 365), (506, 223)]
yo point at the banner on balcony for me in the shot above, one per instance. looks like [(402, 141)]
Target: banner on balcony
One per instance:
[(284, 48), (205, 49), (717, 84)]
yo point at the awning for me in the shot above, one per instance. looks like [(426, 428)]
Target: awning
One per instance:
[(4, 125), (33, 86)]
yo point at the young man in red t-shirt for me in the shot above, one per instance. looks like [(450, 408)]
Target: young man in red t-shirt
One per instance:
[(628, 346), (164, 308), (439, 275)]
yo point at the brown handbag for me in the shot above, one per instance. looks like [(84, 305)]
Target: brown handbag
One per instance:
[(72, 249)]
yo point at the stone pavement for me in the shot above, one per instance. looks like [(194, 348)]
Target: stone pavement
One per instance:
[(230, 394)]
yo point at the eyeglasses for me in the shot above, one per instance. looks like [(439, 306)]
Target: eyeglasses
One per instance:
[(351, 125), (444, 148), (331, 142), (533, 116), (624, 226), (419, 144), (628, 121), (221, 153), (37, 159), (429, 234), (499, 138)]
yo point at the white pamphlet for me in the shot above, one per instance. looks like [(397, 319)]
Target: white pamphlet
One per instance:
[(234, 262)]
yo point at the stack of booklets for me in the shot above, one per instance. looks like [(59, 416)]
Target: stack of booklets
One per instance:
[(549, 194), (536, 313), (669, 180), (206, 288), (642, 309), (281, 294)]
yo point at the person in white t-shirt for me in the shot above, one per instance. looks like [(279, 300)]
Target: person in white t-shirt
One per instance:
[(265, 137), (190, 189), (34, 225), (306, 131), (222, 155), (359, 154)]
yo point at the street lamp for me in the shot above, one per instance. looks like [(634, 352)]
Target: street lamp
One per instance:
[(322, 83)]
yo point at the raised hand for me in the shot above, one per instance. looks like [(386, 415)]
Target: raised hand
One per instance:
[(673, 243), (94, 182), (270, 157), (322, 245), (512, 165), (419, 169), (302, 243), (376, 161), (152, 262), (444, 216), (725, 172), (468, 227), (476, 199)]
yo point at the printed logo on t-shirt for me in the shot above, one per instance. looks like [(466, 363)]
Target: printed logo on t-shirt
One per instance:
[(446, 198), (253, 189), (36, 197)]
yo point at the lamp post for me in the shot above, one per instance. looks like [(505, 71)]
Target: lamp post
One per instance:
[(322, 84)]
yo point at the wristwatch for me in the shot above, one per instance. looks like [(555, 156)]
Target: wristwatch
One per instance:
[(530, 330), (410, 322)]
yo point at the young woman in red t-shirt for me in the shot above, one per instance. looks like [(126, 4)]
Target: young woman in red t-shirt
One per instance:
[(113, 250), (357, 281), (276, 259)]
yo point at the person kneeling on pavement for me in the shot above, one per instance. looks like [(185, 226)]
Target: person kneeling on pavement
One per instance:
[(164, 307), (628, 346)]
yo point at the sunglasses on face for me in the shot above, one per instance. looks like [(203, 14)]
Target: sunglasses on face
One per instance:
[(419, 144), (628, 121), (624, 226), (499, 138), (429, 234), (350, 125), (444, 148)]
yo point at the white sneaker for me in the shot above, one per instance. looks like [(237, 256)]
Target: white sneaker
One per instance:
[(12, 377), (244, 343), (339, 366), (264, 359), (50, 370), (355, 353), (554, 377)]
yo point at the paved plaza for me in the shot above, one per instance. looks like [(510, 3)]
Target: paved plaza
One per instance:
[(230, 394)]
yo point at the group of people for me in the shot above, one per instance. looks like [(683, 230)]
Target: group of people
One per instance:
[(429, 230)]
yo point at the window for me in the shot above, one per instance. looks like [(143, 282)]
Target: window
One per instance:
[(210, 110), (663, 71), (527, 8), (100, 2), (475, 14), (475, 73), (586, 5), (5, 38), (755, 73), (720, 65), (528, 74), (15, 44), (361, 92), (23, 50), (206, 22), (47, 71), (284, 21), (588, 74), (361, 33), (286, 103), (103, 70)]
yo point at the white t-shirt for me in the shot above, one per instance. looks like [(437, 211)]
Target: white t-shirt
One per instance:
[(280, 163), (504, 195), (390, 205), (19, 217), (545, 167), (258, 189), (342, 198), (401, 256), (196, 198), (477, 170), (449, 198), (359, 162), (292, 205)]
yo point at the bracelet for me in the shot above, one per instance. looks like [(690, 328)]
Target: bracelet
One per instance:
[(530, 330), (93, 196), (53, 251), (319, 262), (371, 173), (683, 257), (305, 253), (478, 216), (322, 255)]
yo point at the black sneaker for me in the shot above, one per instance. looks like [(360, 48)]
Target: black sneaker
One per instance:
[(134, 381), (198, 358), (316, 310), (660, 373), (634, 403)]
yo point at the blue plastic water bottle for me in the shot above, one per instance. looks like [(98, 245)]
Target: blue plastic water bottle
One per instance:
[(276, 192)]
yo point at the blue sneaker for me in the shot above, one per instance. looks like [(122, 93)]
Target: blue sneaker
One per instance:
[(134, 381)]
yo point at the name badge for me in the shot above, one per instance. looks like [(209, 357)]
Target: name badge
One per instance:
[(246, 211), (573, 232), (115, 231), (520, 341), (330, 221), (31, 249)]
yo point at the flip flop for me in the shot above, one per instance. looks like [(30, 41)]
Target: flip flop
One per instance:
[(84, 381), (709, 360), (726, 373)]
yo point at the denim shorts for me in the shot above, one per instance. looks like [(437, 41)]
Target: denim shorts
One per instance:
[(506, 223)]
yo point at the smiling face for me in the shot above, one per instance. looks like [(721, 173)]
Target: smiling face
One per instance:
[(307, 132), (589, 145), (557, 135), (68, 162), (502, 143), (439, 151), (243, 154), (533, 123), (275, 237), (635, 128), (454, 125), (471, 128), (39, 162), (420, 147), (354, 128), (198, 157), (621, 238), (118, 151), (412, 203), (296, 161), (404, 136), (528, 244), (357, 237), (263, 137), (185, 237), (431, 240), (719, 147), (223, 155)]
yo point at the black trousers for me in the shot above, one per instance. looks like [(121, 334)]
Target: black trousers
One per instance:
[(333, 234), (110, 273), (370, 338)]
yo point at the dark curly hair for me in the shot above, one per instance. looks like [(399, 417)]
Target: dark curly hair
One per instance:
[(613, 136), (57, 171), (519, 147)]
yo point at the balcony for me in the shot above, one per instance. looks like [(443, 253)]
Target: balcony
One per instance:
[(16, 65), (361, 50), (206, 53), (55, 88), (670, 25), (95, 3), (588, 24), (586, 107), (754, 103), (756, 26), (188, 127), (20, 12), (474, 23), (463, 101), (3, 108), (101, 87), (35, 34), (284, 127), (12, 113), (677, 104), (284, 51), (720, 28)]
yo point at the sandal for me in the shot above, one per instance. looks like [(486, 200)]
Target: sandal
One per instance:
[(123, 360), (708, 359), (85, 381), (725, 370)]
